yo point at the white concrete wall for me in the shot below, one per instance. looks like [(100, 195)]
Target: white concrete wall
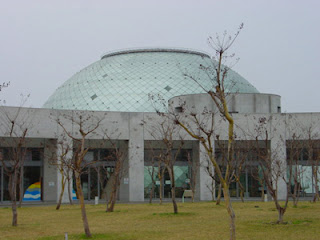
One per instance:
[(135, 128), (237, 103), (136, 158)]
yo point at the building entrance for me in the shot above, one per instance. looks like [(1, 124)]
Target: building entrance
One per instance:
[(181, 176)]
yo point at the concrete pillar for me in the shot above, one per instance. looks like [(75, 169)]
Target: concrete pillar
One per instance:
[(62, 144), (205, 181), (196, 163), (50, 173), (136, 157), (278, 153), (124, 185)]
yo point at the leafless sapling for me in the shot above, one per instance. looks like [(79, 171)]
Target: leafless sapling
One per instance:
[(63, 162), (274, 170), (217, 73), (15, 126), (84, 124)]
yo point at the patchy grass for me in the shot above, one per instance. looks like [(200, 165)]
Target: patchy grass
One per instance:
[(205, 220)]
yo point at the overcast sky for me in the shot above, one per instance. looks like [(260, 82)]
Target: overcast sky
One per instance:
[(43, 43)]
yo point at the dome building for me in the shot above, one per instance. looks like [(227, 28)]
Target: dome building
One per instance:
[(123, 80), (116, 91)]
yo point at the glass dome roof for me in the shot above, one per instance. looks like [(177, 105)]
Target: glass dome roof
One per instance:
[(123, 80)]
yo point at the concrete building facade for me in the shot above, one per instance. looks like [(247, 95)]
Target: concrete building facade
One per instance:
[(133, 133), (157, 72)]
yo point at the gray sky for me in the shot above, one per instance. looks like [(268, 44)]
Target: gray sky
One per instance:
[(43, 43)]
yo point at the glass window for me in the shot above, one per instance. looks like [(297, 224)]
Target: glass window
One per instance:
[(6, 194), (184, 155), (32, 184), (105, 181), (84, 185), (148, 172), (36, 154), (94, 188), (107, 155), (181, 176)]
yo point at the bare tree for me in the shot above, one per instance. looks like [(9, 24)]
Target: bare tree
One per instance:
[(116, 176), (302, 154), (166, 130), (311, 145), (273, 170), (213, 183), (156, 168), (153, 170), (237, 167), (84, 124), (160, 174), (217, 72), (194, 166), (294, 151), (257, 175), (16, 127), (64, 164), (153, 174)]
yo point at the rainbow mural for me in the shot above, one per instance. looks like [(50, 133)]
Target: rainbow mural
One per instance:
[(74, 195), (33, 192)]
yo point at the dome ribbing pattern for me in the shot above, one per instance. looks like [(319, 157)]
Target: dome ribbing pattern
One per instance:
[(123, 80)]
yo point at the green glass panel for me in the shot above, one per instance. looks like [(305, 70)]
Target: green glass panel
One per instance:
[(123, 81)]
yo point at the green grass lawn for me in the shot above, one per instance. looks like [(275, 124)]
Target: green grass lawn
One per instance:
[(205, 220)]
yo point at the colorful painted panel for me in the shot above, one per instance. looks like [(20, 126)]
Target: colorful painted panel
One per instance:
[(33, 192), (74, 195)]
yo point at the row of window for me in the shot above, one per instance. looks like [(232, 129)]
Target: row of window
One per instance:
[(31, 154)]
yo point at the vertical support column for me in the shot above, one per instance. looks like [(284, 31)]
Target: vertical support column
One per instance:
[(136, 157), (205, 181), (278, 154), (62, 144), (196, 163), (124, 185), (50, 172)]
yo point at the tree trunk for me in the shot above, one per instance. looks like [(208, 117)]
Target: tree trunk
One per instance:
[(213, 190), (173, 197), (153, 185), (295, 195), (63, 183), (14, 214), (219, 194), (19, 183), (281, 212), (13, 195), (107, 201), (82, 205), (173, 189), (295, 201), (316, 197), (230, 211), (113, 196), (160, 191), (111, 204), (151, 193), (192, 196), (241, 192), (70, 191), (241, 196)]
